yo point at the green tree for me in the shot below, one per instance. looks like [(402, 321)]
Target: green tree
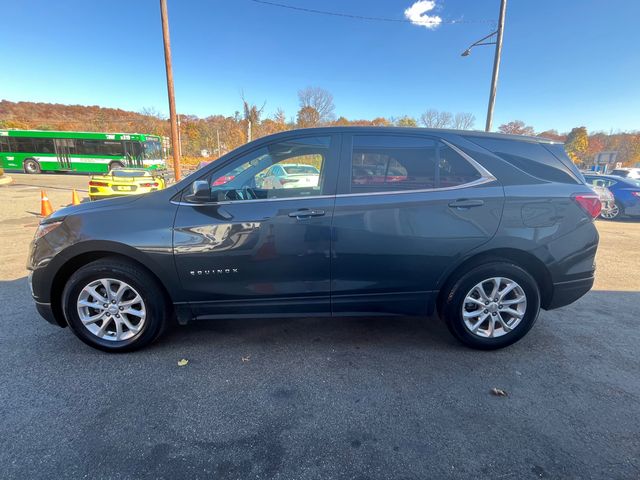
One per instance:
[(577, 144)]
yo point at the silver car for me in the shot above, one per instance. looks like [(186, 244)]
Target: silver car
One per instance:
[(290, 175)]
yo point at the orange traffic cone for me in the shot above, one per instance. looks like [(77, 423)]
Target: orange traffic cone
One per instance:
[(45, 205), (75, 200)]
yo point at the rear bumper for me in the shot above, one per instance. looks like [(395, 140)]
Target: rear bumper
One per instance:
[(565, 293)]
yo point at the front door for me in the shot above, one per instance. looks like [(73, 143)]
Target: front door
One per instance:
[(408, 207), (133, 153), (64, 147), (257, 247)]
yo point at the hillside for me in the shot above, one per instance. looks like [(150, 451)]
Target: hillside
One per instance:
[(218, 134)]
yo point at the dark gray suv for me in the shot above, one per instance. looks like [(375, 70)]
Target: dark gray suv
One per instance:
[(484, 228)]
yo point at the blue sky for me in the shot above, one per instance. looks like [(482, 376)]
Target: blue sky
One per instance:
[(565, 63)]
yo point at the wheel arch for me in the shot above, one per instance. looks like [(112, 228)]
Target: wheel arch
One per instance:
[(523, 259), (89, 253)]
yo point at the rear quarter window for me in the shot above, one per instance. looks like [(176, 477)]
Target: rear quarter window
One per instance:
[(530, 157)]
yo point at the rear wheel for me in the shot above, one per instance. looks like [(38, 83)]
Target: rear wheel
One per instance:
[(115, 306), (613, 213), (491, 306), (31, 165)]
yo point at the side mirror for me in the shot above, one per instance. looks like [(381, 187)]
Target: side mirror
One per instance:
[(200, 192)]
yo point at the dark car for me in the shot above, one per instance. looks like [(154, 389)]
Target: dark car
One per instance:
[(484, 228), (626, 192)]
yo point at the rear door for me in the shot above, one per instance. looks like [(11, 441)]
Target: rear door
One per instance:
[(258, 251), (407, 207)]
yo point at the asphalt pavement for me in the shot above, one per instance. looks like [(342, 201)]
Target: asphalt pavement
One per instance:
[(357, 398)]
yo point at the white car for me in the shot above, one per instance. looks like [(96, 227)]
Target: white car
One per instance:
[(290, 175), (633, 173)]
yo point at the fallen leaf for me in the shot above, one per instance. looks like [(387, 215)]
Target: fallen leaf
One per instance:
[(498, 392), (246, 359), (183, 362)]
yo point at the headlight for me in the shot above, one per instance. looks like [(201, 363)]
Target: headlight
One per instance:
[(45, 228)]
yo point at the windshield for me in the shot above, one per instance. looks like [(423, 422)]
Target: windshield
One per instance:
[(152, 150)]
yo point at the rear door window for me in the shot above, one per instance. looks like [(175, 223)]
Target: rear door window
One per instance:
[(386, 163)]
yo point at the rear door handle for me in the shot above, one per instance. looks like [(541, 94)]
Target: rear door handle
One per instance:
[(466, 203), (306, 213)]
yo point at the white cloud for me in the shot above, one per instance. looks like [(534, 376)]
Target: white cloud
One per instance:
[(417, 14)]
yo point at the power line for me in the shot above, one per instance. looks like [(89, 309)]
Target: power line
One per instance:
[(363, 17)]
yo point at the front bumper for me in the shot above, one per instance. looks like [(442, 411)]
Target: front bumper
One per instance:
[(46, 311), (565, 293)]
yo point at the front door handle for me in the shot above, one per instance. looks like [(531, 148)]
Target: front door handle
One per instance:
[(306, 213), (464, 203)]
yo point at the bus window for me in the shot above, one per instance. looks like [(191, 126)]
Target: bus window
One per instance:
[(43, 145), (4, 144), (22, 145), (152, 150)]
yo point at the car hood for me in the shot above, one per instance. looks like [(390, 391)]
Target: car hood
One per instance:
[(91, 206)]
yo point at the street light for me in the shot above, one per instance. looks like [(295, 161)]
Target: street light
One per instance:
[(496, 60)]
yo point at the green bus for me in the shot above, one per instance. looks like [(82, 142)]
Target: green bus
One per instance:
[(36, 151)]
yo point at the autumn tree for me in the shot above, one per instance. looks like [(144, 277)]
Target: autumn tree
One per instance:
[(380, 122), (308, 117), (319, 100), (516, 127), (405, 121), (577, 144), (552, 135)]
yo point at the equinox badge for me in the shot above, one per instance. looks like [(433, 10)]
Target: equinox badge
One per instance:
[(215, 271)]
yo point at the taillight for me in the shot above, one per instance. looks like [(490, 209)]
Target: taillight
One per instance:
[(635, 194), (589, 202), (98, 184), (147, 185)]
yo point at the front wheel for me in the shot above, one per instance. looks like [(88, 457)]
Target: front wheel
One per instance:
[(31, 166), (115, 306), (491, 306)]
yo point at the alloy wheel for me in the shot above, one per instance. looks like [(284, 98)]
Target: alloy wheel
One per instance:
[(494, 307), (612, 213), (111, 309)]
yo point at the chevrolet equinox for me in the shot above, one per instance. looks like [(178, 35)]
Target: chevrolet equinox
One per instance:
[(483, 228)]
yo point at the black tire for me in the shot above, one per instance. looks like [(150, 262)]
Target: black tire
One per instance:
[(616, 214), (31, 165), (157, 305), (113, 165), (454, 295)]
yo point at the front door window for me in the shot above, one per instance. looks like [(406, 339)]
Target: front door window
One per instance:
[(288, 169)]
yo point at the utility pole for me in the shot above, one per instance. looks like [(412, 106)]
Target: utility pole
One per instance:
[(179, 136), (175, 142), (218, 138), (248, 131), (496, 65)]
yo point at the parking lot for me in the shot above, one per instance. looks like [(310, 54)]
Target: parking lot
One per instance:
[(365, 398)]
